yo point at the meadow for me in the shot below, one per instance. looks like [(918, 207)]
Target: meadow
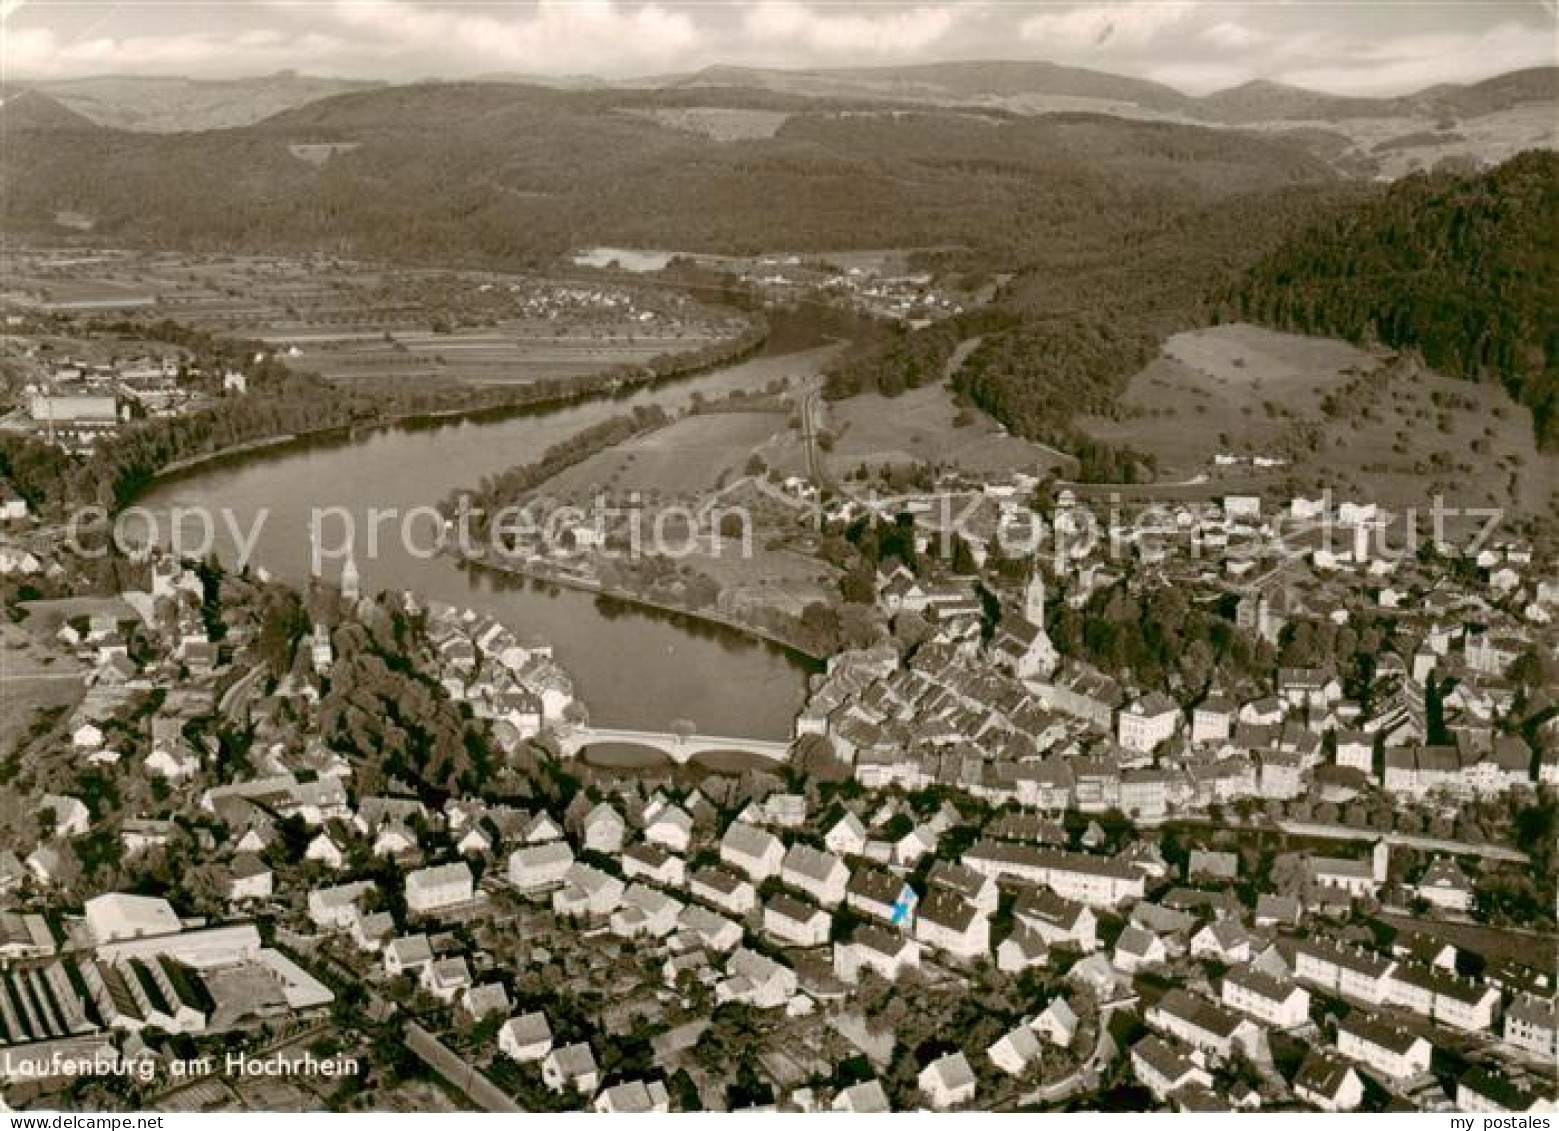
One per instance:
[(926, 425), (1366, 423)]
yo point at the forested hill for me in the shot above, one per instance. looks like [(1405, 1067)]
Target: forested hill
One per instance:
[(510, 175), (1463, 269)]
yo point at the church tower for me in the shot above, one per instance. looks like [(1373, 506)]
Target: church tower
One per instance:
[(1034, 600), (351, 588)]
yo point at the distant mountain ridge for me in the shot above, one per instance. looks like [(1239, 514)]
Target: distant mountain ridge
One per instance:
[(156, 104), (1259, 100), (943, 81), (1269, 101), (33, 110), (174, 104)]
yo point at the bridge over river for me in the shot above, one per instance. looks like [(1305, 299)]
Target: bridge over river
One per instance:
[(679, 747)]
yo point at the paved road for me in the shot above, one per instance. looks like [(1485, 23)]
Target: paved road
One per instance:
[(36, 676), (811, 406), (236, 696)]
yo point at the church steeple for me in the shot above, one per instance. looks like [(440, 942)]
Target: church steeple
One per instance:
[(350, 582), (1034, 600)]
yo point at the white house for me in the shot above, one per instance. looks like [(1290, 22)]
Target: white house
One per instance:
[(713, 931), (71, 816), (407, 954), (1348, 971), (948, 1081), (953, 924), (1146, 722), (571, 1067), (1279, 1004), (1199, 1023), (1223, 941), (653, 862), (1328, 1082), (1013, 1052), (882, 895), (436, 889), (865, 1098), (324, 850), (821, 875), (645, 911), (976, 887), (752, 850), (1020, 951), (796, 923), (334, 908), (1057, 921), (1057, 1023), (1532, 1024), (603, 830), (873, 947), (1164, 1067), (1136, 949), (537, 867), (847, 837), (1446, 886), (723, 888), (1385, 1048), (671, 827), (634, 1097), (587, 891), (1212, 720), (446, 978), (526, 1038), (756, 981)]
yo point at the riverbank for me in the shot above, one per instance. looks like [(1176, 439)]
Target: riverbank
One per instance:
[(746, 346), (637, 668), (190, 463), (636, 600)]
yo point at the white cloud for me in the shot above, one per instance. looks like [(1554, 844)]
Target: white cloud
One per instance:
[(1233, 36), (1094, 26), (1193, 44), (557, 35), (786, 24), (1412, 62), (40, 53)]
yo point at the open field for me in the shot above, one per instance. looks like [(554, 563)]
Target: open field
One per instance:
[(779, 579), (923, 426), (31, 679), (367, 323), (519, 352), (1366, 425), (718, 123), (690, 457), (1397, 146)]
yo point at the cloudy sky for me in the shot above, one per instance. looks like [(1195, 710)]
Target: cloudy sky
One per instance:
[(1346, 46)]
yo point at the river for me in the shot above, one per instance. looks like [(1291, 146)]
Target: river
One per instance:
[(632, 668)]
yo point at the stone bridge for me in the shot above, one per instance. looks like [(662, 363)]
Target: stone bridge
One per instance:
[(680, 748)]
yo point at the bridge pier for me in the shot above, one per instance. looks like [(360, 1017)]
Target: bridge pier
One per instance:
[(680, 748)]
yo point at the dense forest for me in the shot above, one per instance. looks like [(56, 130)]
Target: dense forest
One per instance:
[(1110, 233), (1090, 309), (510, 176), (399, 722), (1463, 269)]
